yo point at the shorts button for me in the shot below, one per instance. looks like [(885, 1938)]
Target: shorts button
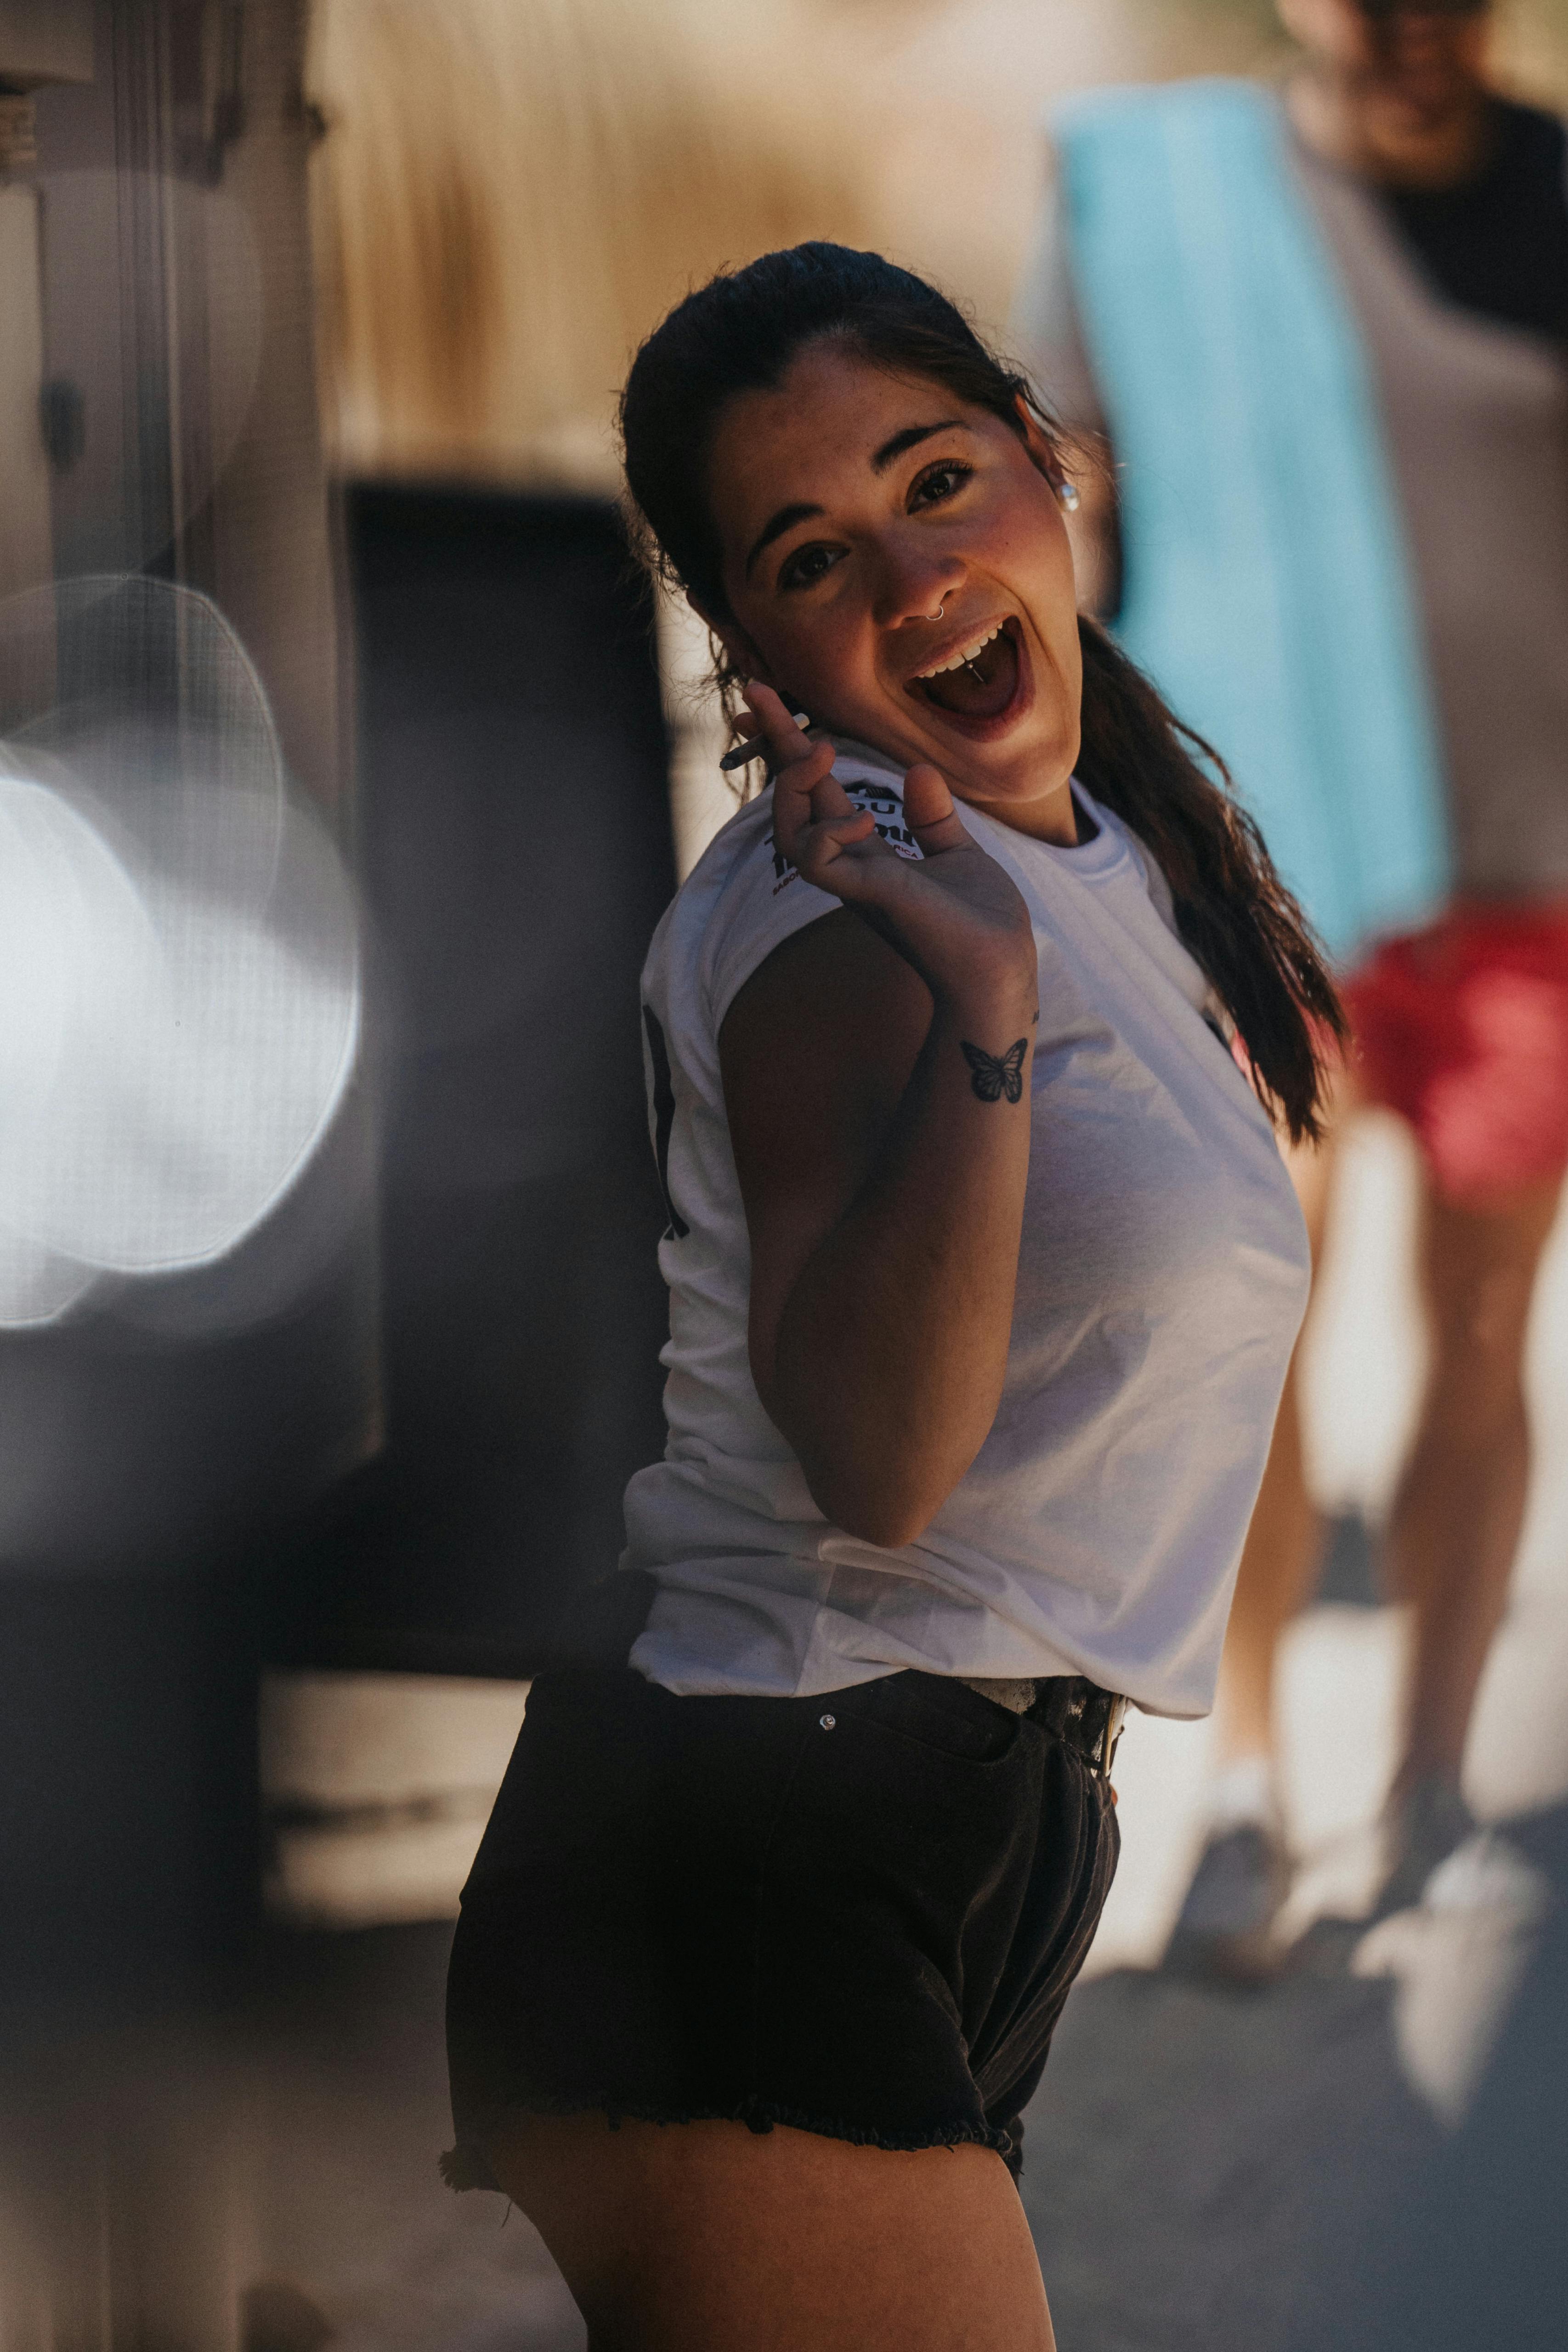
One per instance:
[(828, 1721)]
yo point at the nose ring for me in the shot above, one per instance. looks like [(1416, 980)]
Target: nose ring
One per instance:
[(937, 616)]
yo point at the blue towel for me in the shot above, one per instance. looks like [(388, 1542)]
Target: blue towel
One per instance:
[(1266, 587)]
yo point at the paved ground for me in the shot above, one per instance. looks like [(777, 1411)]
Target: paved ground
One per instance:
[(350, 2116), (1205, 2172), (1196, 2161)]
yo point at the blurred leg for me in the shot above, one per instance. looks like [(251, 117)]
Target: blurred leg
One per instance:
[(1456, 1517), (1225, 1927), (1283, 1540), (705, 2237)]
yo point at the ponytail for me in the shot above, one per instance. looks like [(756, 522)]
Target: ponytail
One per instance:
[(1237, 919)]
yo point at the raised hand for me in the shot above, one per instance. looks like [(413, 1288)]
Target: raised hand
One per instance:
[(955, 915)]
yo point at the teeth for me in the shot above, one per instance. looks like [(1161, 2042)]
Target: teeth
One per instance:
[(967, 655)]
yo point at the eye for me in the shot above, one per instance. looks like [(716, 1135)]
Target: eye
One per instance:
[(804, 566), (939, 482)]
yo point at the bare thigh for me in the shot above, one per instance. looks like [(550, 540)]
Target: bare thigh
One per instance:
[(707, 2237)]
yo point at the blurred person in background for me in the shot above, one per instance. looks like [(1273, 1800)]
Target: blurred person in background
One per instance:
[(985, 1272), (1322, 340)]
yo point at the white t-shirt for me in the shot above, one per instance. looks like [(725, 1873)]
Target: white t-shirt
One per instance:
[(1162, 1277)]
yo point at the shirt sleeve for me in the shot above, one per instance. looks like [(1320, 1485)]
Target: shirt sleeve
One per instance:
[(766, 899)]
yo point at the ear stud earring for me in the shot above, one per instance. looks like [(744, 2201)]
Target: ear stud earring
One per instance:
[(1068, 493)]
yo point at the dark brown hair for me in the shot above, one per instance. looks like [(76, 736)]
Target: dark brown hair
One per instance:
[(739, 333)]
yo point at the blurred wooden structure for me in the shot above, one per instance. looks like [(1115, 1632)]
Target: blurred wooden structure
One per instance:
[(510, 194)]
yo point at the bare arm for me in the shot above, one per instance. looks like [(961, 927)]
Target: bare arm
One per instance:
[(883, 1167)]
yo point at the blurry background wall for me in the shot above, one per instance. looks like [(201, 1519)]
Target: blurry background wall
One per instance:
[(512, 192)]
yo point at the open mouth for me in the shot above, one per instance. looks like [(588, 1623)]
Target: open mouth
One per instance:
[(981, 680)]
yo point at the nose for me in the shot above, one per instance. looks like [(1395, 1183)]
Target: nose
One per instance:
[(912, 584)]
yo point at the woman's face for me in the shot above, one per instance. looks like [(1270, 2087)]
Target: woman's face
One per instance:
[(875, 531)]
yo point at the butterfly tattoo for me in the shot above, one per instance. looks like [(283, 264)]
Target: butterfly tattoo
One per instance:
[(992, 1076)]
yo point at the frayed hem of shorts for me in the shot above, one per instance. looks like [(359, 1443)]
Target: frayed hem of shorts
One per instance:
[(466, 2166)]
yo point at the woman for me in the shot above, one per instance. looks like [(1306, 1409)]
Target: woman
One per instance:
[(985, 1271)]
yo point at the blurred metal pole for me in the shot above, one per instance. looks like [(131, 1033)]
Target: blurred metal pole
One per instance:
[(186, 359), (148, 1460)]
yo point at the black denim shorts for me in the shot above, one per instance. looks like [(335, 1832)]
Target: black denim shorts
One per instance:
[(859, 1914)]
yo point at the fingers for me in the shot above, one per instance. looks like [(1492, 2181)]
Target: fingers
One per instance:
[(814, 821), (813, 817), (751, 746), (929, 813), (785, 740)]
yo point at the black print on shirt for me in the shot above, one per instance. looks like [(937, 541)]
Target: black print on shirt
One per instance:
[(992, 1076), (887, 811)]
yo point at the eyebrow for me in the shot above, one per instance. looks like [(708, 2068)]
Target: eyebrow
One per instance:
[(909, 438), (787, 517)]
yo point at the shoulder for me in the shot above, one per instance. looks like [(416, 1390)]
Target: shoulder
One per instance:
[(1543, 130), (1535, 141), (689, 918), (743, 898)]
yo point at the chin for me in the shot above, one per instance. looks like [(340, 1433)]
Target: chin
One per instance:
[(1016, 773)]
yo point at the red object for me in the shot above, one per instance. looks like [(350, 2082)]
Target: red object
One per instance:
[(1462, 1029)]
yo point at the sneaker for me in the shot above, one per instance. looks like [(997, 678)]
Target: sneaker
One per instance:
[(1422, 1828), (1225, 1926)]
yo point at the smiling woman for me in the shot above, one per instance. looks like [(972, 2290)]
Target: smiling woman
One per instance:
[(984, 1270)]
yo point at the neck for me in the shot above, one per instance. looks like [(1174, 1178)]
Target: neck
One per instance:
[(1053, 817), (1343, 118)]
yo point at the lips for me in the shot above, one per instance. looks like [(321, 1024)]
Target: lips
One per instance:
[(982, 688)]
